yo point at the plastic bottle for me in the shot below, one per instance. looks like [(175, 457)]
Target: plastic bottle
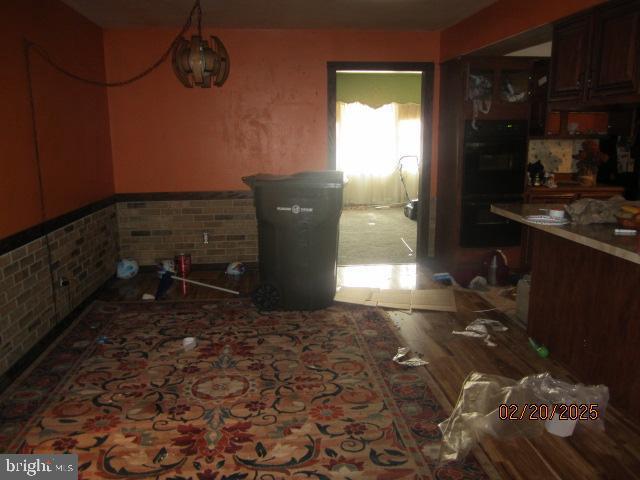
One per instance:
[(541, 350), (492, 275)]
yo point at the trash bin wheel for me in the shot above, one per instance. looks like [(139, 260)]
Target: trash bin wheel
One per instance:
[(266, 297)]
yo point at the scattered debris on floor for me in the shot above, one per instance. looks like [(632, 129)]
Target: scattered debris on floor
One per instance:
[(479, 283), (506, 409), (501, 298), (400, 358), (441, 299), (164, 285), (510, 293), (478, 329), (202, 284), (235, 269), (411, 252), (541, 350), (167, 280), (488, 342), (189, 343), (127, 268), (495, 325), (444, 278), (166, 265)]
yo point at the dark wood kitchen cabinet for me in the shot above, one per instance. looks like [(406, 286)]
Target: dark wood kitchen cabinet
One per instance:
[(570, 58), (595, 56), (539, 85), (616, 49)]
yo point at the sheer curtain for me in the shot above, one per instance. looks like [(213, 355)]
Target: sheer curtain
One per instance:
[(370, 143)]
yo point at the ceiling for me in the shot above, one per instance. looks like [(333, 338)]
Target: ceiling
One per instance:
[(523, 41), (306, 14), (539, 50)]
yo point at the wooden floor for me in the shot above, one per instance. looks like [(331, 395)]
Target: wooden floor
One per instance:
[(614, 454)]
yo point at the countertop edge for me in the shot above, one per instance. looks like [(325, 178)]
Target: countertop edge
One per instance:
[(571, 236)]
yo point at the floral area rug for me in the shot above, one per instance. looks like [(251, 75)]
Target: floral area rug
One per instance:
[(308, 395)]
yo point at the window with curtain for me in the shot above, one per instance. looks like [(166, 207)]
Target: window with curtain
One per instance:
[(370, 143)]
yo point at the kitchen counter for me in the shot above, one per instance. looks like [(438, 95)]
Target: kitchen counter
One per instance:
[(575, 187), (598, 236), (584, 302)]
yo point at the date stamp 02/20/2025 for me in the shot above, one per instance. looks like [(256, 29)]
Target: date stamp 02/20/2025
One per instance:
[(542, 411)]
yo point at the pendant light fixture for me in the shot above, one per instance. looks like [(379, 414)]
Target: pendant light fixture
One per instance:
[(195, 63), (198, 64)]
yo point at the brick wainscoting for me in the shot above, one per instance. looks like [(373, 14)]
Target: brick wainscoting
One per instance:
[(84, 252), (86, 244), (156, 229)]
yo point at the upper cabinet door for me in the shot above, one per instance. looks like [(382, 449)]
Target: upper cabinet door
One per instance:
[(615, 64), (570, 58)]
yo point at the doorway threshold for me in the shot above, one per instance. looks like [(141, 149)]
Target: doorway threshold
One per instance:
[(384, 275)]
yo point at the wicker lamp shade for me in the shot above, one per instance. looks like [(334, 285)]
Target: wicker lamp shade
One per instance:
[(196, 64)]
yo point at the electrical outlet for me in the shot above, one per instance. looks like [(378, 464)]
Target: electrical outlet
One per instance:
[(205, 238)]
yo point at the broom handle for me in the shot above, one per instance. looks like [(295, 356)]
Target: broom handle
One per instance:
[(175, 277)]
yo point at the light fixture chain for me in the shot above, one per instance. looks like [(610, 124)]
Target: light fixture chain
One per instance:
[(199, 11)]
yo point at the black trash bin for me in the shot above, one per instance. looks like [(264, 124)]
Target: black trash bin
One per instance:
[(298, 218)]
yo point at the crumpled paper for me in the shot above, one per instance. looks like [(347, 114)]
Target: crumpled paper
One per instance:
[(478, 329), (189, 343), (410, 362)]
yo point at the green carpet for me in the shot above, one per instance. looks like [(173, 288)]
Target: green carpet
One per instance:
[(373, 235)]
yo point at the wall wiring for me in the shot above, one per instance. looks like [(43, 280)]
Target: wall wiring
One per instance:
[(28, 47), (36, 149)]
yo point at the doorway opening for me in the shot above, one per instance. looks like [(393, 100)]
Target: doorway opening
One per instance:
[(380, 138)]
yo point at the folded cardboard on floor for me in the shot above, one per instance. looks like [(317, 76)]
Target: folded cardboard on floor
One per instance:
[(439, 299)]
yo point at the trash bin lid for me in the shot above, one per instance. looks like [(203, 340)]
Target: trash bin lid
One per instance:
[(323, 179)]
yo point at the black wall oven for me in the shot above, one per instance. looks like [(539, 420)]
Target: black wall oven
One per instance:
[(494, 162), (495, 157), (481, 228)]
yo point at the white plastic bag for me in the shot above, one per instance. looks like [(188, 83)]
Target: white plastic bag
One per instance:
[(506, 408)]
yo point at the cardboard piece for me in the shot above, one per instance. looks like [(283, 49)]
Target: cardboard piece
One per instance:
[(441, 299), (358, 295), (398, 299)]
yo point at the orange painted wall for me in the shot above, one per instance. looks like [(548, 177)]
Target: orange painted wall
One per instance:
[(72, 118), (502, 20), (270, 116), (158, 136)]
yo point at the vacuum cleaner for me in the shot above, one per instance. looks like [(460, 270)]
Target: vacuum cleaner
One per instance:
[(411, 207)]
